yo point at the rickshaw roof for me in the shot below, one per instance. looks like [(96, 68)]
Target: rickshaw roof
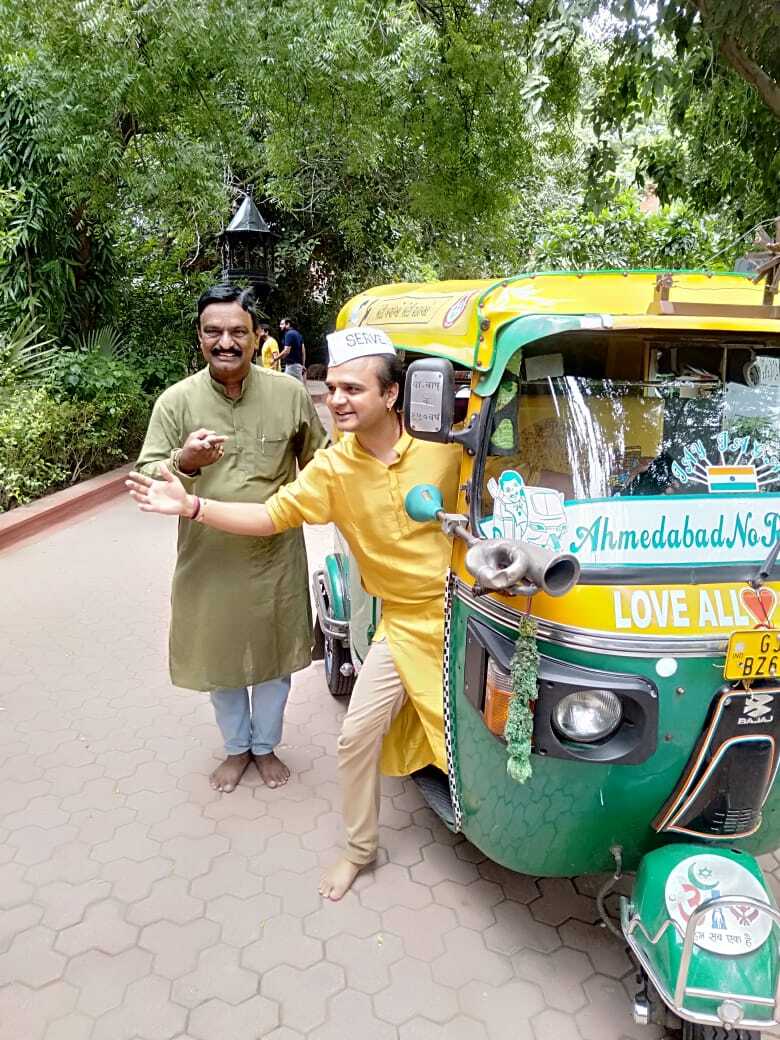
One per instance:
[(460, 320)]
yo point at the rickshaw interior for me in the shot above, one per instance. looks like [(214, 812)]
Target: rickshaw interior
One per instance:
[(592, 415)]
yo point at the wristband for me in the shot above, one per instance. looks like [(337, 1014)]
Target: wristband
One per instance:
[(198, 508)]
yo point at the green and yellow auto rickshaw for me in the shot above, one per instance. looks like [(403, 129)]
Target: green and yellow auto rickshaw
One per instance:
[(617, 539)]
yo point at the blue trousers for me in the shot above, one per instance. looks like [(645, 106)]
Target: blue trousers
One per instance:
[(251, 719)]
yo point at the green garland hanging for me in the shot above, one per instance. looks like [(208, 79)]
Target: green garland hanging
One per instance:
[(524, 670)]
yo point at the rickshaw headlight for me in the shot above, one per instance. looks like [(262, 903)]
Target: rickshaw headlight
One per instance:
[(587, 715)]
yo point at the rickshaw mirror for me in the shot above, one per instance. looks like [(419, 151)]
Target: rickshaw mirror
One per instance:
[(424, 502), (429, 400)]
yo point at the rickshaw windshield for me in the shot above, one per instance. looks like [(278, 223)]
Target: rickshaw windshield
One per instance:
[(678, 468)]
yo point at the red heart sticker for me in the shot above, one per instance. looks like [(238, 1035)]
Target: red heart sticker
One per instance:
[(760, 604)]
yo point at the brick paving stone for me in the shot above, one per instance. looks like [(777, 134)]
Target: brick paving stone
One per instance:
[(285, 1033), (239, 804), (17, 794), (329, 832), (67, 780), (72, 1027), (404, 846), (132, 882), (460, 1028), (25, 1014), (131, 841), (473, 903), (64, 905), (298, 892), (146, 1013), (193, 856), (176, 946), (282, 942), (365, 961), (391, 817), (554, 1025), (413, 991), (248, 839), (559, 975), (96, 795), (521, 888), (251, 1020), (346, 915), (102, 928), (422, 931), (283, 852), (217, 976), (391, 885), (505, 1010), (466, 958), (20, 919), (169, 900), (441, 864), (606, 952), (45, 811), (515, 930), (94, 826), (37, 845), (559, 901), (426, 817), (71, 862), (229, 875), (301, 817), (187, 820), (351, 1017), (302, 993), (242, 920), (14, 891), (31, 960), (102, 979), (608, 1014)]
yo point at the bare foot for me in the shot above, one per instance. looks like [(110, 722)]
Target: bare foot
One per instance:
[(337, 880), (273, 772), (228, 773)]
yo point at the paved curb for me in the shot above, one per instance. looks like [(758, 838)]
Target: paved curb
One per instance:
[(25, 521)]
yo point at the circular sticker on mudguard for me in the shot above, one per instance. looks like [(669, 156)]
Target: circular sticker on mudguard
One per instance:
[(728, 930)]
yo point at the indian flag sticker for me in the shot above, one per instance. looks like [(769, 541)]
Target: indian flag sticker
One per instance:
[(732, 478)]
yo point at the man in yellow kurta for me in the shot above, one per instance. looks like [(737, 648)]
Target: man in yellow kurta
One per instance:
[(360, 485), (269, 349)]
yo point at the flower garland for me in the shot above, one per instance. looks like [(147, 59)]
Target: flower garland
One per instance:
[(518, 731)]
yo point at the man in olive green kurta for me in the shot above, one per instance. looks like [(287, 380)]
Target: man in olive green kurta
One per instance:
[(240, 610)]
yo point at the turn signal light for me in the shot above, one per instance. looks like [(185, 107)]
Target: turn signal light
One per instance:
[(498, 693)]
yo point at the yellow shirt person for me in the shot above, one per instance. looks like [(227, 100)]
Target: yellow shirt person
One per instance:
[(268, 351), (403, 562)]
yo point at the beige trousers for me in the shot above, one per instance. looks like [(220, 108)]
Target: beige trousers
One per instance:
[(377, 698)]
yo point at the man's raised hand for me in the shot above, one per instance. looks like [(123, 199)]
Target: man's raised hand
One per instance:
[(166, 495), (202, 448)]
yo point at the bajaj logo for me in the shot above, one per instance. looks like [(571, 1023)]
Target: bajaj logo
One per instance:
[(758, 708)]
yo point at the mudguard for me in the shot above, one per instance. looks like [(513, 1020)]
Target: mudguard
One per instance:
[(337, 584), (704, 928)]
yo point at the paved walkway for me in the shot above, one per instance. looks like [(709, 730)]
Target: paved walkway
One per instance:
[(137, 904)]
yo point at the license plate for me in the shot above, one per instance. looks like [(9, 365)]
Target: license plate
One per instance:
[(753, 654)]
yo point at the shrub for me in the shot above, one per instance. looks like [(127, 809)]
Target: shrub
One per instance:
[(89, 417)]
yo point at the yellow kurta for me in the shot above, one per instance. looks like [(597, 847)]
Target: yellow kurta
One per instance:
[(401, 561)]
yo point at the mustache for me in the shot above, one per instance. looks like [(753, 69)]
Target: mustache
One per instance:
[(226, 352)]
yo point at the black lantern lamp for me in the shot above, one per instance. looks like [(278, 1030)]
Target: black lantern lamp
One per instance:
[(248, 247)]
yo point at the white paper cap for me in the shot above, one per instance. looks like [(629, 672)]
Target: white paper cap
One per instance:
[(350, 344)]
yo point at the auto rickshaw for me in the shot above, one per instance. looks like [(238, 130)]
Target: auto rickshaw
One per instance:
[(618, 521)]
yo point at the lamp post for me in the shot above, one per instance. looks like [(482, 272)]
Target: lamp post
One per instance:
[(248, 250)]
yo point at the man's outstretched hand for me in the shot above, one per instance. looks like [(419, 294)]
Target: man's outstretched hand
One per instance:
[(160, 496)]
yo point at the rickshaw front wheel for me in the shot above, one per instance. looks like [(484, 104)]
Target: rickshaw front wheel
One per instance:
[(693, 1031), (336, 656)]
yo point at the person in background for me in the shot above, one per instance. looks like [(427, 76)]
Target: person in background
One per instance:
[(395, 711), (269, 348), (240, 611), (293, 352)]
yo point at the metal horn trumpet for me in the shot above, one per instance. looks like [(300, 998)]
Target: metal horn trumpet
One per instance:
[(519, 568)]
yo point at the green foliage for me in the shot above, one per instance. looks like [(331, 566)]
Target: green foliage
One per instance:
[(520, 720), (24, 357), (89, 416)]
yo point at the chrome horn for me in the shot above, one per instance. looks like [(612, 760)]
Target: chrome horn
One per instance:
[(519, 568)]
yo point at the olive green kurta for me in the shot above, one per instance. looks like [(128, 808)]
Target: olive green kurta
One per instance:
[(240, 609)]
